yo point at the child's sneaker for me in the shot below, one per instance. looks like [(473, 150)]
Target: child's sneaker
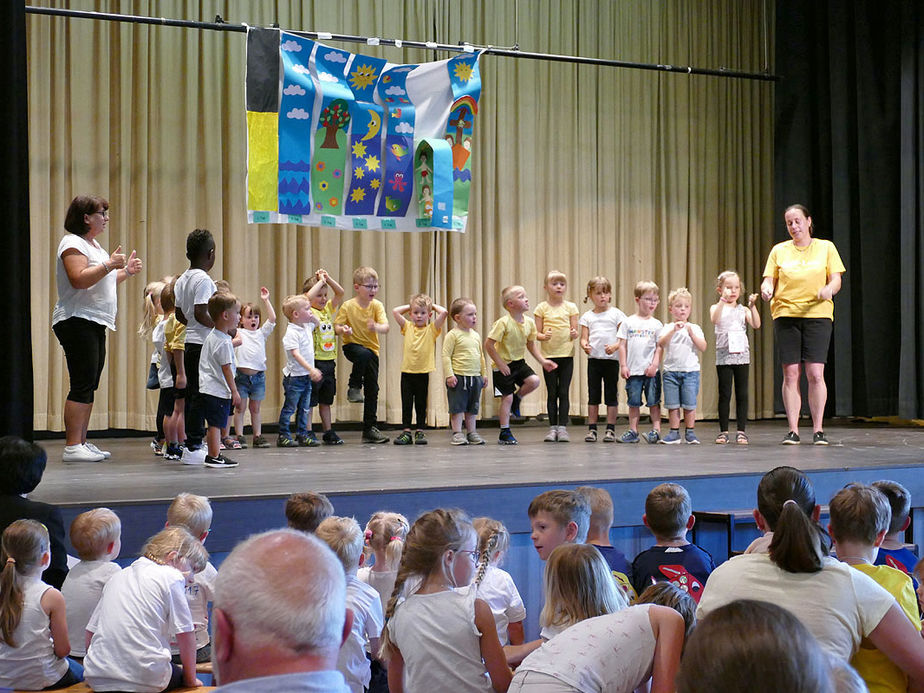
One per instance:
[(404, 438), (506, 437), (629, 437), (420, 438), (458, 438), (173, 452), (195, 457), (551, 436), (672, 438), (474, 438), (220, 462), (609, 436), (690, 437), (331, 438), (563, 436), (374, 435), (307, 441), (242, 441), (355, 394), (591, 436), (158, 447), (285, 442), (260, 442), (652, 437)]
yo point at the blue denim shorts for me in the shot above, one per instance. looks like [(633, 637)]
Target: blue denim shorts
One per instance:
[(637, 384), (681, 389), (251, 386)]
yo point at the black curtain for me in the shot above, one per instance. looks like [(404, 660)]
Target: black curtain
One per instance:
[(849, 123), (16, 353)]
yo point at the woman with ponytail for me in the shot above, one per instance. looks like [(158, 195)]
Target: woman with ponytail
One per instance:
[(839, 605)]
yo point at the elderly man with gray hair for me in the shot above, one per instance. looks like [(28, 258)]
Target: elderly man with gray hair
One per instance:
[(279, 616)]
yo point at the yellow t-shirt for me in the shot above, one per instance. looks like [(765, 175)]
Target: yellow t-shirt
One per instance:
[(174, 334), (880, 674), (419, 347), (356, 317), (800, 274), (463, 354), (511, 337), (325, 339), (559, 319)]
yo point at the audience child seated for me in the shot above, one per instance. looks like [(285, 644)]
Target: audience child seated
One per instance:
[(641, 642), (441, 637), (142, 608), (558, 517), (753, 647), (96, 535), (194, 513), (839, 605), (306, 510), (345, 538), (860, 518), (894, 552), (33, 624), (668, 594), (668, 514), (496, 586), (598, 536)]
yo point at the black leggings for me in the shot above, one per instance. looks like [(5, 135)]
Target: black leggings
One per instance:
[(414, 388), (365, 374), (740, 375), (557, 385), (84, 344)]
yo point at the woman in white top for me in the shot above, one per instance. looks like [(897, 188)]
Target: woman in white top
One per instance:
[(839, 605), (87, 276)]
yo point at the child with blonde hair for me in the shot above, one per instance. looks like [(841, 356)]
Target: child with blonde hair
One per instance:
[(465, 372), (218, 391), (556, 329), (384, 539), (96, 535), (640, 359), (599, 340), (732, 353), (151, 318), (598, 536), (441, 636), (175, 352), (496, 586), (33, 622), (325, 309), (299, 371), (170, 402), (345, 539), (141, 609), (250, 376), (418, 361), (680, 341)]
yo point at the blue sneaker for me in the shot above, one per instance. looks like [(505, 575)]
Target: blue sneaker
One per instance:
[(690, 437), (628, 437), (672, 438), (652, 437), (506, 437)]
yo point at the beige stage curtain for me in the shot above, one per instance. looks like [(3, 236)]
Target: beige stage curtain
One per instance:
[(626, 173)]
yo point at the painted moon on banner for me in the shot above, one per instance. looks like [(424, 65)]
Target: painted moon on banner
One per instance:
[(375, 124)]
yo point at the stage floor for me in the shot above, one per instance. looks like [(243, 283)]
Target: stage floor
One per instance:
[(134, 475)]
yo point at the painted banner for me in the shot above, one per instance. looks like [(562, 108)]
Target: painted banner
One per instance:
[(343, 140)]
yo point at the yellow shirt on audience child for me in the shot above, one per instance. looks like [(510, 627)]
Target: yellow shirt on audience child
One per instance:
[(352, 314), (800, 274), (559, 319), (419, 347), (511, 337), (880, 674), (463, 354)]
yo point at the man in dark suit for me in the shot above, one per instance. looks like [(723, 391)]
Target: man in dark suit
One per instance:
[(22, 465)]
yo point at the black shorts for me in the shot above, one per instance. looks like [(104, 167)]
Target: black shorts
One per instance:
[(216, 409), (506, 384), (803, 339), (324, 391)]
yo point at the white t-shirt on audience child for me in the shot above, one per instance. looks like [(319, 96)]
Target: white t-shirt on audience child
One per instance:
[(382, 581), (641, 335), (251, 353), (499, 591), (368, 621), (602, 329), (199, 593), (31, 665), (82, 589), (298, 337), (681, 354), (217, 351), (142, 608), (194, 287)]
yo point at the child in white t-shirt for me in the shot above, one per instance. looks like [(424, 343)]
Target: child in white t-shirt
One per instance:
[(681, 341), (96, 535), (251, 367), (299, 371), (217, 388), (640, 358), (496, 586)]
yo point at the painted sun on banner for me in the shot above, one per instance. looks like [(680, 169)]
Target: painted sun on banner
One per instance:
[(348, 141)]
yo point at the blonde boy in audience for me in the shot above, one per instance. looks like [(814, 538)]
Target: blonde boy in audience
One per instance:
[(96, 536), (345, 538), (598, 535), (558, 517), (669, 515), (194, 513), (859, 522), (306, 510), (510, 338)]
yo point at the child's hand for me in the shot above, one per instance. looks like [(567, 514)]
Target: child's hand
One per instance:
[(346, 331), (504, 369), (548, 366), (452, 381), (651, 370), (573, 333), (585, 346), (484, 383), (315, 375), (679, 325), (825, 293), (236, 399), (370, 325), (727, 294), (624, 372), (545, 335), (264, 293), (752, 299), (610, 349)]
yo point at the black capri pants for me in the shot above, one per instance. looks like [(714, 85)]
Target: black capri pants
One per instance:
[(84, 344)]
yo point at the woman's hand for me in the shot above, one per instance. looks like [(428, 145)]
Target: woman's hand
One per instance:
[(117, 260)]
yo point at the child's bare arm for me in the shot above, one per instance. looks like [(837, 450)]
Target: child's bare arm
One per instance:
[(542, 334), (698, 341), (585, 339), (396, 672), (547, 364), (334, 287), (440, 318), (187, 645), (270, 313), (398, 313), (180, 363), (573, 334), (623, 368), (491, 351), (666, 338), (495, 661), (753, 316), (53, 604), (655, 363), (515, 633), (228, 372), (300, 360), (715, 311)]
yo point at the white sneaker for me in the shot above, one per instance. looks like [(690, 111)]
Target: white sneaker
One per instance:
[(196, 457), (563, 436), (105, 453), (551, 436), (80, 453)]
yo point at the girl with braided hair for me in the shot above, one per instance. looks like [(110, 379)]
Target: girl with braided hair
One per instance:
[(496, 586), (438, 635)]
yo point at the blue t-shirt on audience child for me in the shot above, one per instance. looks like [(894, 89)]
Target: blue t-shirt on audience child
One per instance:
[(903, 559), (619, 565), (687, 567)]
